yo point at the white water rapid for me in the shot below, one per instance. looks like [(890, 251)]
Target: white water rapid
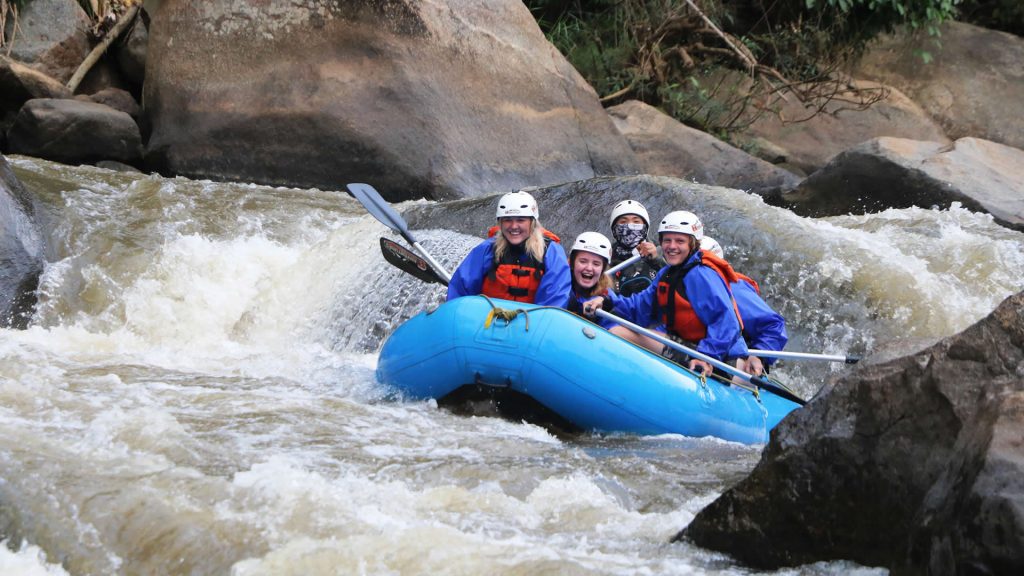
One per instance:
[(196, 393)]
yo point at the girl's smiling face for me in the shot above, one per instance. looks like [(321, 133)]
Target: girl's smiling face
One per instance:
[(587, 269)]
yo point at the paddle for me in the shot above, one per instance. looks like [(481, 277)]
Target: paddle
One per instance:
[(805, 356), (402, 258), (382, 211), (758, 381), (623, 264)]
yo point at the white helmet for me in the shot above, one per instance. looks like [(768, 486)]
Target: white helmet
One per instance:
[(682, 222), (595, 243), (629, 207), (517, 204), (709, 244)]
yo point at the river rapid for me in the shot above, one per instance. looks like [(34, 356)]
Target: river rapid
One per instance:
[(196, 392)]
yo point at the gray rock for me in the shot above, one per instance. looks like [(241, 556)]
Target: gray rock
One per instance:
[(21, 250), (117, 166), (897, 173), (115, 98), (972, 86), (52, 37), (19, 84), (666, 147), (915, 464), (73, 131), (422, 99)]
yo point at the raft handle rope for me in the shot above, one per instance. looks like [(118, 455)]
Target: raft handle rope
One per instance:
[(504, 314)]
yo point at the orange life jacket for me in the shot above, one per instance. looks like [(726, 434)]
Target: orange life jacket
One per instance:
[(676, 310), (514, 280)]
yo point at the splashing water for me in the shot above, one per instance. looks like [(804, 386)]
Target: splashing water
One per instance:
[(196, 392)]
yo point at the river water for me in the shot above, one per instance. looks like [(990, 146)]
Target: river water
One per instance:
[(196, 392)]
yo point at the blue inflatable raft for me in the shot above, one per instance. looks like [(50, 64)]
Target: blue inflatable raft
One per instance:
[(550, 365)]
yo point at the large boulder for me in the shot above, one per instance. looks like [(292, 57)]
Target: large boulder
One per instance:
[(808, 134), (897, 173), (915, 464), (52, 36), (666, 147), (20, 83), (423, 99), (21, 250), (972, 85), (74, 131)]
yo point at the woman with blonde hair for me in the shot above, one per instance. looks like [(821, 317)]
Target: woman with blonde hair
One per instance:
[(521, 262)]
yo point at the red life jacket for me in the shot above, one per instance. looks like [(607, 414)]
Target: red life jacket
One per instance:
[(514, 280), (676, 310)]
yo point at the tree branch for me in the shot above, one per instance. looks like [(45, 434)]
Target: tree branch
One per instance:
[(100, 48)]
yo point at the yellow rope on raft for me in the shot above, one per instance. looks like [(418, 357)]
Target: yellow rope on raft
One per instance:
[(507, 315)]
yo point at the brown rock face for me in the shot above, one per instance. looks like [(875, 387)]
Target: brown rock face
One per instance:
[(419, 98), (968, 85), (666, 147), (915, 464)]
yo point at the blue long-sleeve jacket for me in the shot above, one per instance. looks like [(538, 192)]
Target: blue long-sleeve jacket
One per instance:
[(763, 328), (711, 302), (575, 305), (468, 279)]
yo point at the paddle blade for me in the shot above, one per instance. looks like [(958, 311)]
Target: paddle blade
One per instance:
[(407, 261), (380, 209)]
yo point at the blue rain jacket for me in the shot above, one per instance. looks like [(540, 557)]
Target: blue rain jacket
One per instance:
[(575, 305), (555, 284), (763, 328), (711, 302)]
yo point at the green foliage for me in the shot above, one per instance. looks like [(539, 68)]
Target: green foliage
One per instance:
[(663, 52)]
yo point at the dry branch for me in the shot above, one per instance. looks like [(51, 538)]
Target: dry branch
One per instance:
[(100, 48)]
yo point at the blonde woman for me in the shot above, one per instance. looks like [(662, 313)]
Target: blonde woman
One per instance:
[(521, 262)]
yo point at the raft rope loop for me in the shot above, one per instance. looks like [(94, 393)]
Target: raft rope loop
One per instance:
[(504, 314)]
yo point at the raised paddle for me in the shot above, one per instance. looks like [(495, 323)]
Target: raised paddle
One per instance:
[(760, 382), (382, 211)]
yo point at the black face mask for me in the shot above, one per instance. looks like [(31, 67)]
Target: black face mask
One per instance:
[(629, 235)]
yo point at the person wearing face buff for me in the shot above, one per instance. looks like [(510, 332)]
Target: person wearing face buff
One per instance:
[(588, 259), (690, 296), (630, 223), (521, 262)]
